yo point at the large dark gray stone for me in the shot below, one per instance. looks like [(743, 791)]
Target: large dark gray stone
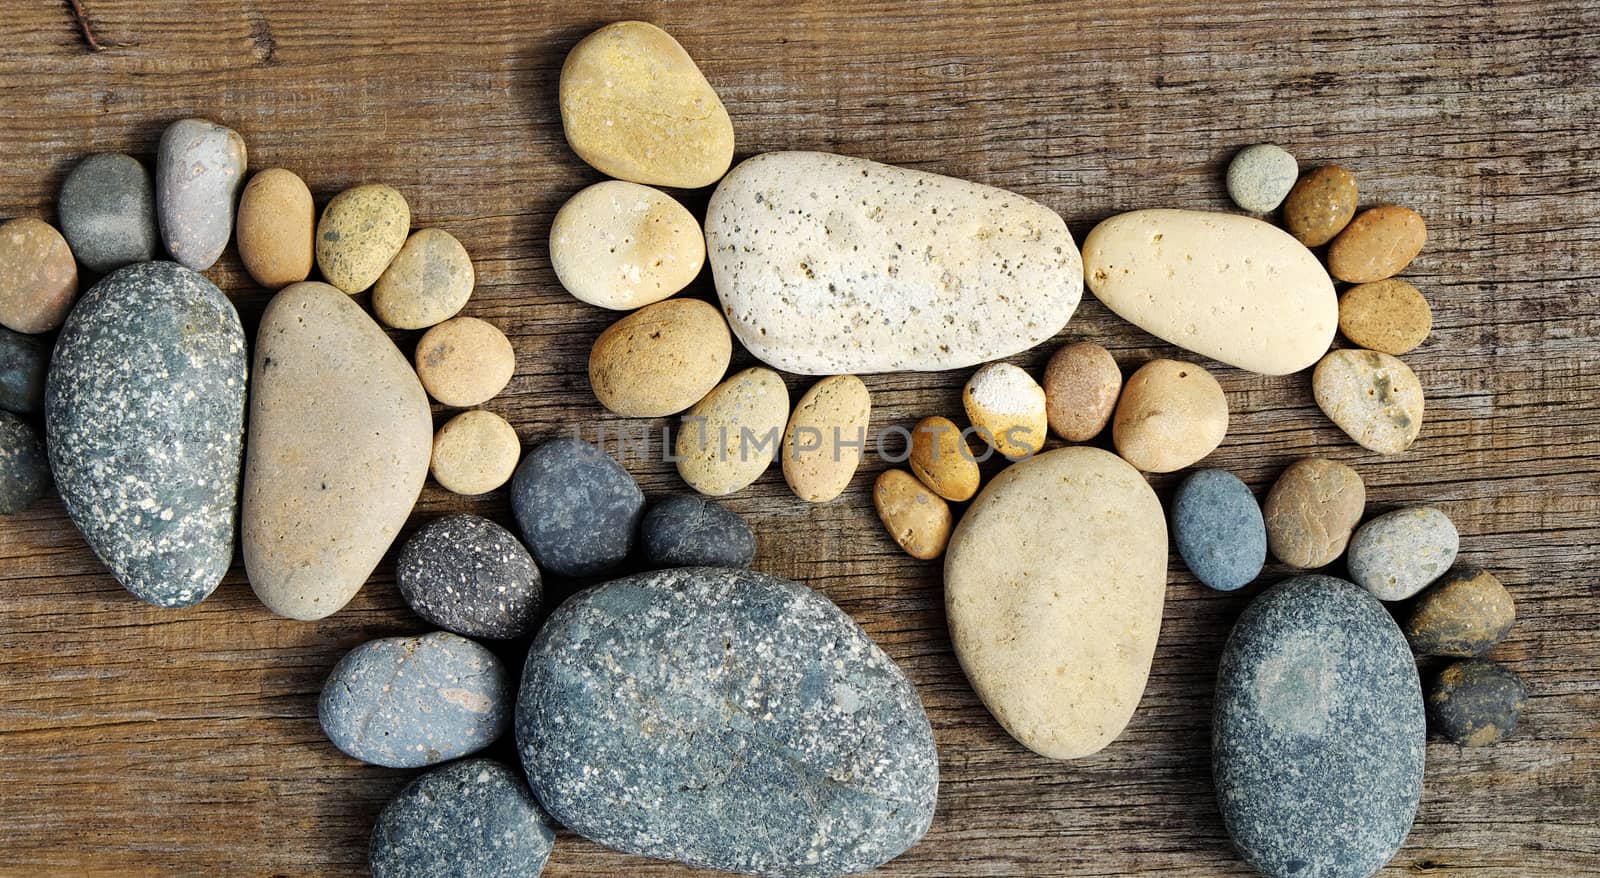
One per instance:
[(469, 575), (1219, 530), (577, 508), (107, 210), (470, 819), (691, 531), (24, 469), (23, 361)]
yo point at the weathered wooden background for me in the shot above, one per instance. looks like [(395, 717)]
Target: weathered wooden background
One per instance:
[(156, 742)]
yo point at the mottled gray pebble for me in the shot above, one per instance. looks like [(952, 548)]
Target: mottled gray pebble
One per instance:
[(469, 575), (470, 819), (199, 168), (1397, 554), (23, 360), (1260, 177), (691, 531), (1476, 702), (107, 209), (1219, 529), (24, 469), (577, 508)]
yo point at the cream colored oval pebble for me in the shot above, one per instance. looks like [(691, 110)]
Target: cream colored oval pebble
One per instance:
[(728, 439), (917, 518), (1172, 414), (1054, 582), (660, 359), (823, 442), (276, 223), (1008, 408), (475, 452), (941, 458), (429, 281), (465, 361), (620, 245), (361, 231), (1230, 287), (1373, 397)]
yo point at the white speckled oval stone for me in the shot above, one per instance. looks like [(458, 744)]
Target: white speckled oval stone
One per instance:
[(199, 168), (828, 264), (1400, 553), (1373, 397), (621, 246)]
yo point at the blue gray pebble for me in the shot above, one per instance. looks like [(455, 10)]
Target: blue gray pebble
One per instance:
[(577, 508), (469, 575), (470, 819), (1260, 177), (1219, 530), (1397, 554), (691, 531), (23, 363), (24, 469), (107, 210)]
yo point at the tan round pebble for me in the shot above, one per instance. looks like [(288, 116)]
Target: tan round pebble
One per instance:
[(1373, 397), (475, 452), (1378, 244), (1008, 408), (621, 245), (1311, 511), (38, 276), (823, 442), (941, 458), (1320, 205), (729, 438), (1172, 414), (465, 361), (277, 221), (660, 359), (1389, 316), (1462, 615), (918, 519), (1081, 384), (361, 231), (429, 281)]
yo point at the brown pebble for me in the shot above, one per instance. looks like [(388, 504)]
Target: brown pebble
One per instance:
[(275, 228), (917, 518), (1390, 316), (1320, 205), (1311, 511), (660, 359), (1378, 244), (1462, 615), (465, 361), (38, 276), (1081, 384), (474, 453), (823, 440), (1171, 415), (943, 460)]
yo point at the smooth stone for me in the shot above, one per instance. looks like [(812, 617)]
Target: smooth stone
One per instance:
[(406, 702), (1312, 510), (1081, 386), (472, 819), (1390, 316), (38, 277), (428, 282), (660, 359), (691, 531), (1320, 205), (1318, 734), (1476, 702), (144, 421), (466, 574), (728, 720), (1219, 530), (622, 246), (107, 209), (1400, 553), (1371, 396), (1229, 287), (942, 459), (1007, 407), (199, 168), (1172, 414), (1377, 244), (916, 518), (465, 361), (361, 231), (577, 508), (277, 222), (24, 467), (1260, 177), (728, 439), (825, 436), (340, 439), (1464, 614), (24, 360), (474, 453), (635, 107), (1058, 642), (915, 271)]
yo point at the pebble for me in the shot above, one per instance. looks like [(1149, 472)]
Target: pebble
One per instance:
[(1311, 511), (24, 468), (1229, 287), (1465, 614), (468, 575), (38, 277), (475, 818), (660, 359), (1007, 407), (1054, 582), (340, 438), (1398, 554), (24, 360), (107, 209), (1320, 205), (199, 168), (1373, 397), (727, 720), (1318, 734), (918, 519), (1172, 414), (942, 459), (1476, 702), (916, 271), (1390, 316), (1378, 244), (728, 439), (1219, 529), (622, 246), (635, 107), (824, 439), (1260, 176), (465, 361), (577, 508), (276, 224), (406, 702), (690, 531), (361, 231), (429, 281), (144, 421), (1081, 385), (474, 453)]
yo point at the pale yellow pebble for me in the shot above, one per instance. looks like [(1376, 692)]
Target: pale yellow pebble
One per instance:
[(361, 231), (728, 439), (429, 281), (464, 361), (1008, 408), (475, 452), (941, 458), (918, 519), (825, 436)]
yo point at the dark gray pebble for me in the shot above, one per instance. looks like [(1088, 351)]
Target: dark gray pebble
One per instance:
[(469, 575), (470, 819), (23, 362), (691, 531), (1476, 702), (1219, 530), (577, 508), (24, 469), (107, 210)]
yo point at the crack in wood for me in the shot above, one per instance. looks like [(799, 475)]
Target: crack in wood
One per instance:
[(81, 18)]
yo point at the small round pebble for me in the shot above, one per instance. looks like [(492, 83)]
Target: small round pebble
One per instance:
[(24, 468), (942, 459), (1320, 205), (918, 519), (691, 531), (428, 282), (38, 277), (1378, 244), (465, 361), (823, 440), (1219, 529), (1398, 554), (1389, 316), (468, 575), (1476, 702), (474, 453), (1172, 414), (578, 509), (1081, 384), (1008, 407), (107, 209), (471, 819), (1260, 176), (361, 231), (1371, 396), (660, 359), (1462, 615), (24, 360), (1311, 511), (277, 221), (621, 245)]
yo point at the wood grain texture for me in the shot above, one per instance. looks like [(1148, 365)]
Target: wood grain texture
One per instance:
[(139, 741)]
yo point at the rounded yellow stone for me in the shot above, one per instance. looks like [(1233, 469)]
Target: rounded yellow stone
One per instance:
[(474, 453), (275, 228), (1008, 408), (361, 231), (729, 438), (823, 442), (427, 283), (464, 361), (660, 359)]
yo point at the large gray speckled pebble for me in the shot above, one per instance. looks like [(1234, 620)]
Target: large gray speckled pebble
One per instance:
[(470, 819), (1318, 734), (1260, 177), (107, 209), (578, 509), (24, 469), (199, 168), (144, 421), (691, 531), (405, 702), (469, 575), (23, 360), (728, 720), (1219, 530), (1397, 554)]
